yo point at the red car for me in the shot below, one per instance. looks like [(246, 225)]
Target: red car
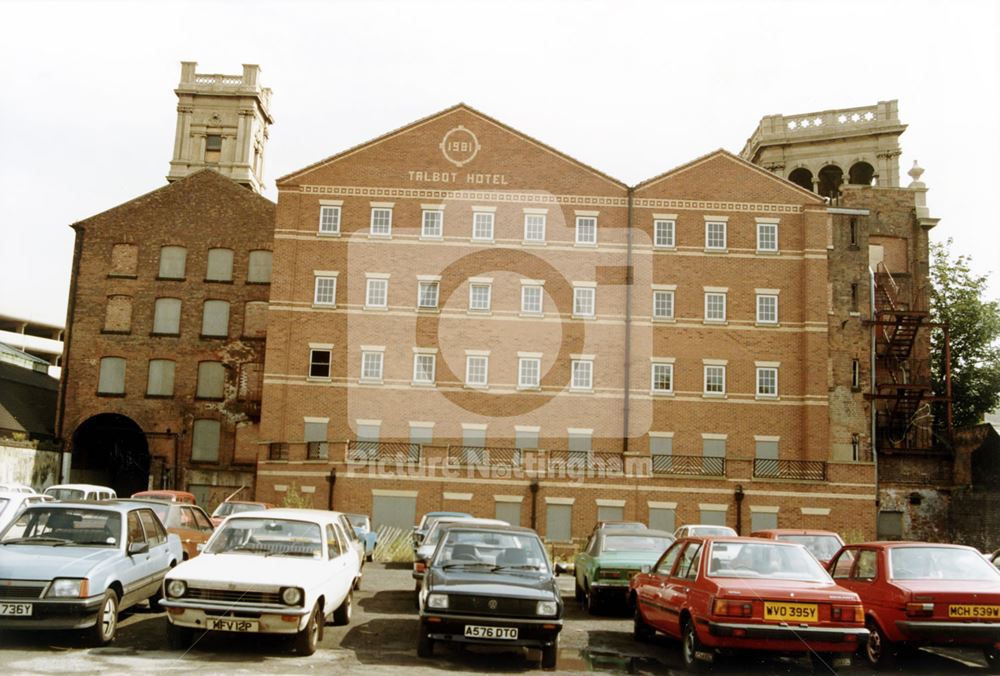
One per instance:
[(922, 594), (169, 496), (732, 594), (822, 544)]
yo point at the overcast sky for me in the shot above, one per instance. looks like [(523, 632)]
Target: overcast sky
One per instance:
[(87, 109)]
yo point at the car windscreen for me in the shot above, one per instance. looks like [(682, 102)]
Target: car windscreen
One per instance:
[(635, 543), (66, 493), (764, 560), (492, 549), (65, 527), (267, 537), (3, 504), (939, 563), (227, 508), (823, 547), (358, 521)]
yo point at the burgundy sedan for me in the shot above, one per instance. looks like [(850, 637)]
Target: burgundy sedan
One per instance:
[(922, 594), (731, 594)]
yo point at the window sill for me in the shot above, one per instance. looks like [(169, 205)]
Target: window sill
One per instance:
[(529, 388), (767, 397), (485, 313), (767, 252), (429, 310), (197, 398), (716, 322), (373, 235), (714, 395), (536, 315), (716, 251), (217, 281), (658, 247), (481, 241), (664, 320), (483, 388), (585, 245), (583, 317), (375, 308), (582, 390), (327, 306), (770, 325), (533, 242), (854, 313), (415, 383), (318, 379), (370, 381), (431, 238), (661, 393), (322, 233), (213, 336), (251, 282)]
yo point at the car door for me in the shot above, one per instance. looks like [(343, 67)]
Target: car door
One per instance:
[(677, 595), (342, 560), (584, 560), (654, 585), (159, 550), (136, 566)]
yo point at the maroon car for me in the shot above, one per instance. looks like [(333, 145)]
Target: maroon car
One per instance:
[(922, 594), (732, 594)]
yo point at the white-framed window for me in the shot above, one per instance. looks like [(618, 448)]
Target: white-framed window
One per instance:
[(477, 370), (377, 293), (371, 365), (586, 229), (583, 301), (715, 306), (319, 362), (715, 235), (325, 291), (767, 381), (534, 227), (329, 220), (432, 224), (663, 304), (531, 299), (529, 372), (767, 308), (427, 294), (381, 223), (662, 377), (715, 379), (482, 226), (664, 232), (111, 379), (767, 237), (582, 374), (480, 294), (424, 367)]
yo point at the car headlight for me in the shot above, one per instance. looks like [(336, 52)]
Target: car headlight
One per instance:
[(291, 596), (66, 588), (439, 601), (176, 588), (547, 608)]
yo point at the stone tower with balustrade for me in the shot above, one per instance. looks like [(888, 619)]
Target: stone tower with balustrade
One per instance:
[(222, 123)]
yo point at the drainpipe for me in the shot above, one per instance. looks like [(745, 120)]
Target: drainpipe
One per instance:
[(70, 314), (628, 323), (874, 328), (533, 487), (332, 479), (738, 496)]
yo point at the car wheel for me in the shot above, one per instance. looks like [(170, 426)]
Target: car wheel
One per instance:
[(690, 647), (992, 656), (578, 592), (590, 599), (307, 639), (425, 644), (178, 638), (641, 631), (154, 600), (878, 650), (104, 629), (357, 582), (550, 655), (342, 615)]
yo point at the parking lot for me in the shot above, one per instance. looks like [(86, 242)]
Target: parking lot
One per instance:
[(381, 639)]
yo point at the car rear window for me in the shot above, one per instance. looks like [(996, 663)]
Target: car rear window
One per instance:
[(766, 559), (939, 563), (823, 547), (635, 543)]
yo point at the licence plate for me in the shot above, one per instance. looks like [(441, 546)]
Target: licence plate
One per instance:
[(224, 624), (16, 609), (974, 612), (790, 612), (502, 633)]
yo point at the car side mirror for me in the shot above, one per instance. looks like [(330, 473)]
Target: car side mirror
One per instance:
[(137, 548)]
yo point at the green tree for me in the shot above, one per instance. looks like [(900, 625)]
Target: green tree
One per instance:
[(974, 329)]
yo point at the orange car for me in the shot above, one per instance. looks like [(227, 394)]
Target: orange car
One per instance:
[(236, 507), (822, 544), (189, 522), (169, 496)]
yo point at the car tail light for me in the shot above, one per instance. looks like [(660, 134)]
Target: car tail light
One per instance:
[(419, 566), (732, 608), (847, 614), (919, 609), (610, 574)]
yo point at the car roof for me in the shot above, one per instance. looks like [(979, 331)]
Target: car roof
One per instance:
[(114, 505), (796, 531), (84, 487), (292, 513), (632, 532), (248, 502), (447, 514), (459, 523), (458, 526), (891, 544), (740, 539)]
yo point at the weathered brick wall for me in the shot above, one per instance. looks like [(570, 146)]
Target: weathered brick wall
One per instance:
[(975, 517)]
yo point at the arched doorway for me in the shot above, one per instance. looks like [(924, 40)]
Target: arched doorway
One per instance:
[(111, 450), (802, 177), (861, 173), (830, 178)]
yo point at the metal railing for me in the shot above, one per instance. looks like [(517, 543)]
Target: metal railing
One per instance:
[(491, 456), (689, 465), (317, 450), (277, 451), (377, 451), (809, 470), (605, 461)]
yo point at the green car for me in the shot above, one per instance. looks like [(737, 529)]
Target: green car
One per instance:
[(612, 556)]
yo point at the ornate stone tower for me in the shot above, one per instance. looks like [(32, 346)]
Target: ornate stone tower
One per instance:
[(222, 123), (820, 151)]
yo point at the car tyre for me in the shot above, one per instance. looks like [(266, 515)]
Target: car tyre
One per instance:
[(307, 639), (992, 656), (641, 631), (550, 655), (425, 644), (357, 582), (879, 650), (342, 615), (154, 600), (104, 629), (690, 647), (591, 602), (578, 592), (178, 638)]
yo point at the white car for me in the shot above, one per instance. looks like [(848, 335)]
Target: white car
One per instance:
[(281, 571), (78, 492), (17, 488), (694, 529), (12, 502)]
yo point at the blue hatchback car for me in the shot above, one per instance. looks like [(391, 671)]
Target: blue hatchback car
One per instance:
[(75, 565)]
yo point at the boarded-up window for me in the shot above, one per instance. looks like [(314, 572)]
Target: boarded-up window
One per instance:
[(259, 270), (205, 440), (173, 261), (160, 382), (890, 525), (118, 314), (215, 318), (558, 522), (255, 319), (369, 432), (211, 380), (421, 434), (661, 449), (509, 512), (610, 513), (124, 260), (112, 376), (766, 450), (220, 265), (314, 434), (763, 521), (167, 316), (712, 517), (526, 438), (662, 518), (397, 511)]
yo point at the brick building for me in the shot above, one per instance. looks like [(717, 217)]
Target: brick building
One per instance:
[(464, 318)]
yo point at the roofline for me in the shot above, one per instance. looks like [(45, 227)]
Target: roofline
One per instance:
[(725, 153), (434, 116)]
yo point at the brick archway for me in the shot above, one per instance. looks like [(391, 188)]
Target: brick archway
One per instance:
[(111, 450)]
